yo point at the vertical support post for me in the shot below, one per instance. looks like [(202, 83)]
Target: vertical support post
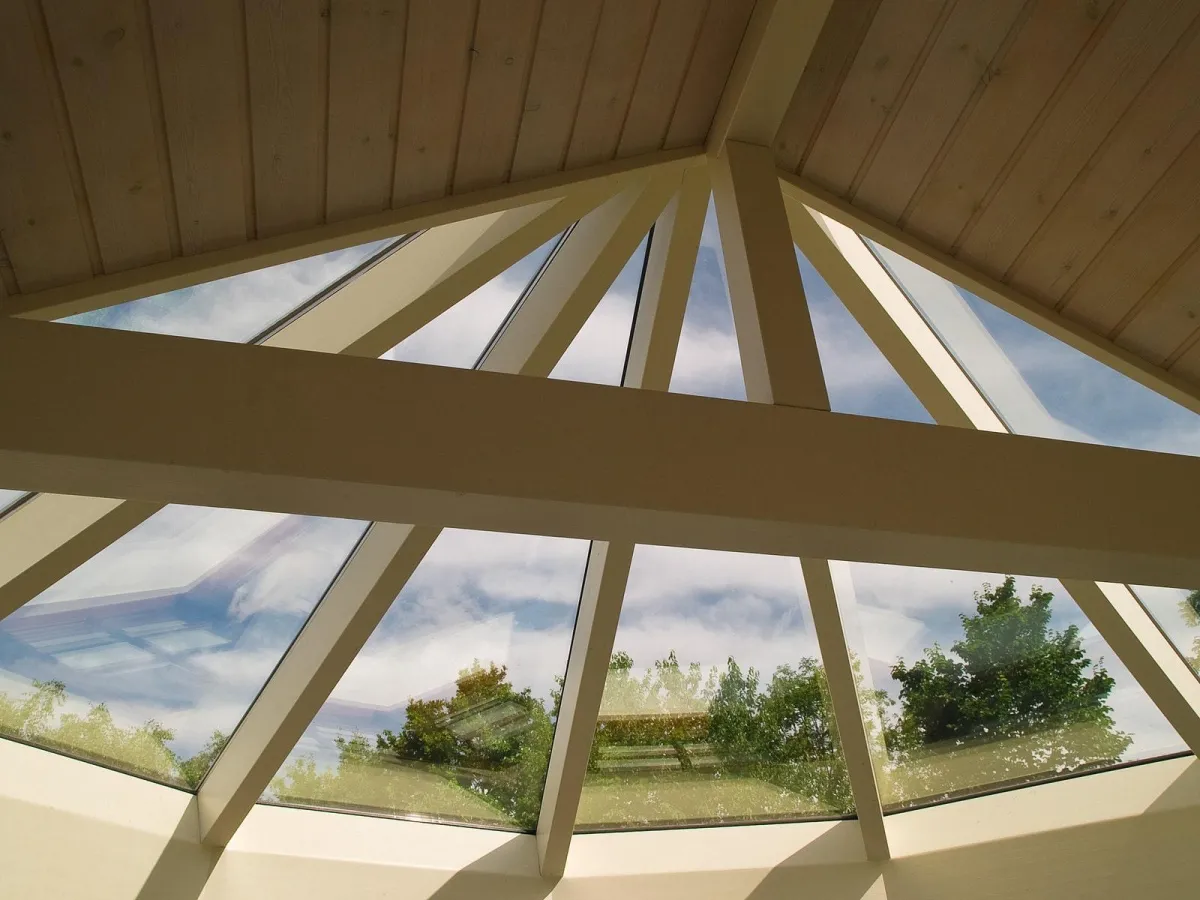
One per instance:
[(658, 322), (780, 365)]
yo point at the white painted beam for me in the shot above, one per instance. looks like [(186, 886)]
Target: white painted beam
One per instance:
[(367, 316), (379, 568), (775, 49), (781, 365), (952, 398), (1006, 297), (168, 419), (119, 287), (657, 324)]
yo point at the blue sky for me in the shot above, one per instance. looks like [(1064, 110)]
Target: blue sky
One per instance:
[(511, 599)]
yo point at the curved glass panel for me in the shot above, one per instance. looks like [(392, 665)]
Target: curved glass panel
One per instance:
[(715, 708), (447, 713), (231, 309), (976, 682), (146, 656)]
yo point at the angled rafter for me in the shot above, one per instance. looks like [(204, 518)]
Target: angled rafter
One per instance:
[(321, 434), (952, 398), (107, 290), (775, 49), (368, 315), (656, 329), (382, 564), (781, 366), (1182, 391)]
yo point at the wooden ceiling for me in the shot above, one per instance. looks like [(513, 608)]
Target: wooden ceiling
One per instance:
[(134, 131), (1053, 145)]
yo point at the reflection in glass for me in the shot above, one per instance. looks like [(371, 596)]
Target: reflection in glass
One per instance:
[(146, 656), (448, 711), (983, 681), (597, 354), (1177, 613), (458, 336), (715, 708), (232, 309), (1038, 385)]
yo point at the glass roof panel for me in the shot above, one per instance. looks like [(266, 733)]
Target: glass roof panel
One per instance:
[(233, 309), (1177, 613), (597, 354), (707, 362), (715, 709), (1036, 383), (8, 498), (447, 712), (146, 656), (458, 336), (981, 682), (859, 378)]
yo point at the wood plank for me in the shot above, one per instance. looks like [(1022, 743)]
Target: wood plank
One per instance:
[(1188, 365), (1055, 40), (1161, 321), (286, 45), (968, 50), (831, 59), (1140, 37), (202, 75), (560, 59), (1158, 232), (501, 57), (185, 271), (890, 49), (716, 48), (366, 56), (668, 54), (612, 72), (437, 52), (100, 52), (1059, 261), (573, 459), (39, 218)]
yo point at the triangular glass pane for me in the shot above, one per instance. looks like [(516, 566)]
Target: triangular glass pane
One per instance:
[(447, 712), (983, 682), (1177, 613), (715, 709), (459, 335), (1036, 383), (597, 354), (146, 656), (859, 378), (232, 309), (8, 499), (707, 362)]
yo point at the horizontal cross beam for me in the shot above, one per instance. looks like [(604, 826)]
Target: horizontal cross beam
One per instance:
[(167, 419)]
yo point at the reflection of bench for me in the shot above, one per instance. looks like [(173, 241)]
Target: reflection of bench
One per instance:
[(638, 758)]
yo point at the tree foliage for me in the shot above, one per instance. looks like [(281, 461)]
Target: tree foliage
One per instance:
[(1024, 694)]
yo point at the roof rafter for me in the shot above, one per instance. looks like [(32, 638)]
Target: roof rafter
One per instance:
[(1006, 297), (578, 275), (779, 39), (781, 366), (656, 329)]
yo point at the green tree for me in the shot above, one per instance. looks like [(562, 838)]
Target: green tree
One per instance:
[(1012, 682), (1190, 608)]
